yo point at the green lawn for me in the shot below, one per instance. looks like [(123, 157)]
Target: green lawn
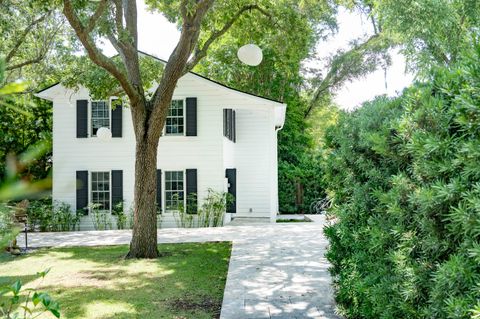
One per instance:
[(97, 282)]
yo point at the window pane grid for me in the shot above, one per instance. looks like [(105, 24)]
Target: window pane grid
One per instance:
[(175, 120), (100, 116), (174, 191), (101, 189)]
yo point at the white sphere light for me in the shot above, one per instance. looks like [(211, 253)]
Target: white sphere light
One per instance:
[(104, 133), (250, 54)]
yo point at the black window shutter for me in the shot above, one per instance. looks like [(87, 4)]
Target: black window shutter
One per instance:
[(229, 121), (225, 122), (191, 191), (82, 191), (117, 187), (82, 118), (191, 116), (231, 175), (159, 189), (117, 120), (234, 127)]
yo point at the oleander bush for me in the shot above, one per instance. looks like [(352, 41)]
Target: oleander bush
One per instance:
[(404, 175)]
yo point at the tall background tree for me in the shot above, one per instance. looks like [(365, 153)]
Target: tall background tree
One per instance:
[(34, 43), (280, 76)]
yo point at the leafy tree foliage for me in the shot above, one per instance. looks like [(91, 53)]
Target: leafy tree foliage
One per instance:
[(405, 180), (21, 130), (363, 57), (431, 32), (279, 77), (34, 39), (33, 48)]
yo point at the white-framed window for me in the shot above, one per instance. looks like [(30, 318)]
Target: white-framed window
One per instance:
[(100, 115), (174, 190), (100, 189), (175, 122)]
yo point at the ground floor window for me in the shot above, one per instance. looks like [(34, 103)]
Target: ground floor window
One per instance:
[(101, 189), (174, 190)]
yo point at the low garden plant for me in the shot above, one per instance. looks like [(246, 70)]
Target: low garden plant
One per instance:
[(210, 214), (45, 215), (101, 219), (121, 217)]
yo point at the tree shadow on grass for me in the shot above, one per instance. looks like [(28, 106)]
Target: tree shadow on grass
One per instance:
[(188, 282), (107, 254)]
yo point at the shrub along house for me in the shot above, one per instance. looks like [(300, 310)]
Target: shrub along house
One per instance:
[(215, 137)]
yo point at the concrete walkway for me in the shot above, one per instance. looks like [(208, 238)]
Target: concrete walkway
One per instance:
[(276, 270)]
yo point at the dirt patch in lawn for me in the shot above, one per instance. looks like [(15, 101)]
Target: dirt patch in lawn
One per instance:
[(203, 303)]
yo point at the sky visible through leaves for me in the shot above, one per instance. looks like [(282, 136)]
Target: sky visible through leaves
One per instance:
[(158, 37)]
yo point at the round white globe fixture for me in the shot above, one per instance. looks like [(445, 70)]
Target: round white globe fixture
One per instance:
[(104, 133), (250, 54)]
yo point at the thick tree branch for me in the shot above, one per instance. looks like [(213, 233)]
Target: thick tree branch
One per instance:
[(96, 15), (21, 39), (344, 67), (38, 59), (175, 66), (200, 53), (118, 15), (130, 14), (95, 54)]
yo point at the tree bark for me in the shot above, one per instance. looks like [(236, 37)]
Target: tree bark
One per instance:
[(144, 234)]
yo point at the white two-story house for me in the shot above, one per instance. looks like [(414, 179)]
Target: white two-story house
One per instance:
[(215, 137)]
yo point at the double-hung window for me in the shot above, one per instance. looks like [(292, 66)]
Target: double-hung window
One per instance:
[(100, 115), (174, 190), (101, 190), (175, 123)]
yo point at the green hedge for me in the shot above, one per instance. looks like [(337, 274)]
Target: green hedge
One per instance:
[(404, 174)]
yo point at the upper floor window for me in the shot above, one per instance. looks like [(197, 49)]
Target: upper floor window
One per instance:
[(101, 189), (175, 119), (100, 115), (229, 124)]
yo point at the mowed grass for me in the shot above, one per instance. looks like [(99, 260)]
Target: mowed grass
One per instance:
[(97, 282)]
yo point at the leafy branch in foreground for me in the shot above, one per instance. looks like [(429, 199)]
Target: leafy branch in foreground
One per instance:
[(12, 187), (27, 303)]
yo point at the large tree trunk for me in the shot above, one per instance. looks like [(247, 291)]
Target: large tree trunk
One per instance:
[(144, 235)]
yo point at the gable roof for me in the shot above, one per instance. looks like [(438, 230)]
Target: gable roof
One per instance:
[(191, 72)]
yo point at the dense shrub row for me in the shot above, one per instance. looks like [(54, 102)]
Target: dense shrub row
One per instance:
[(404, 174)]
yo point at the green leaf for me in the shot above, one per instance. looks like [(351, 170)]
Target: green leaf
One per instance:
[(12, 88), (46, 299), (43, 273), (36, 299), (55, 312), (16, 286)]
